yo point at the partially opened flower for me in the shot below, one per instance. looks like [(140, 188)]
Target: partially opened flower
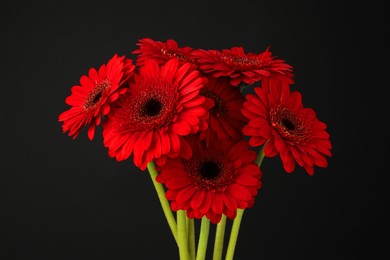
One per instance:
[(161, 106), (161, 52), (93, 98), (242, 67), (225, 118), (219, 178), (279, 120)]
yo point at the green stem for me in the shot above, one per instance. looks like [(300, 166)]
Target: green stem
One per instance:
[(238, 218), (163, 200), (191, 237), (203, 238), (234, 235), (260, 156), (219, 237), (182, 234)]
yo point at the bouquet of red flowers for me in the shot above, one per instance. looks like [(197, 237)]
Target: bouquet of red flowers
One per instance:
[(200, 121)]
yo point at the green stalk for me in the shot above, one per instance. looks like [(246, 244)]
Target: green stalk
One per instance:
[(219, 237), (191, 237), (238, 218), (163, 200), (182, 234), (203, 238), (234, 235), (260, 156)]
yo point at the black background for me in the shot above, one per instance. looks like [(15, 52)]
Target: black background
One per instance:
[(66, 199)]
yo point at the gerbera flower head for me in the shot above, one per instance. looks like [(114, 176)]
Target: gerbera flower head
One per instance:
[(242, 67), (162, 51), (279, 120), (219, 178), (93, 98), (226, 100), (161, 106)]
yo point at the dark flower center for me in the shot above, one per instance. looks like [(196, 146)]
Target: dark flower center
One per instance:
[(209, 170), (152, 107), (219, 108), (289, 124), (94, 97), (97, 97)]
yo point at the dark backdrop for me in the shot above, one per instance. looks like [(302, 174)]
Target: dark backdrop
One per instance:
[(66, 199)]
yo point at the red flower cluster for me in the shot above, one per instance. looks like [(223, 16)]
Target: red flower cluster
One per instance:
[(184, 109)]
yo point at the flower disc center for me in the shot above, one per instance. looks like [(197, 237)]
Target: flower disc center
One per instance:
[(152, 107), (218, 109), (288, 124), (96, 95), (209, 170)]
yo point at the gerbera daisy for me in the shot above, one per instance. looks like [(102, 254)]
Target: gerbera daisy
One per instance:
[(93, 98), (161, 51), (162, 105), (240, 66), (279, 120), (219, 178), (225, 118)]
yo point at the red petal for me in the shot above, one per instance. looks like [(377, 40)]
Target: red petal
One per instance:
[(239, 192), (168, 70), (256, 141), (181, 127), (184, 194), (258, 122), (91, 132), (150, 69), (197, 199), (178, 182), (165, 142), (288, 162), (247, 180), (86, 83), (280, 144), (185, 149), (217, 205), (205, 207), (230, 201), (175, 143), (270, 149), (181, 72)]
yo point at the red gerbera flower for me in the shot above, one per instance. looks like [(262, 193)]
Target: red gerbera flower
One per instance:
[(92, 99), (162, 105), (162, 51), (278, 118), (219, 178), (225, 118), (241, 66)]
